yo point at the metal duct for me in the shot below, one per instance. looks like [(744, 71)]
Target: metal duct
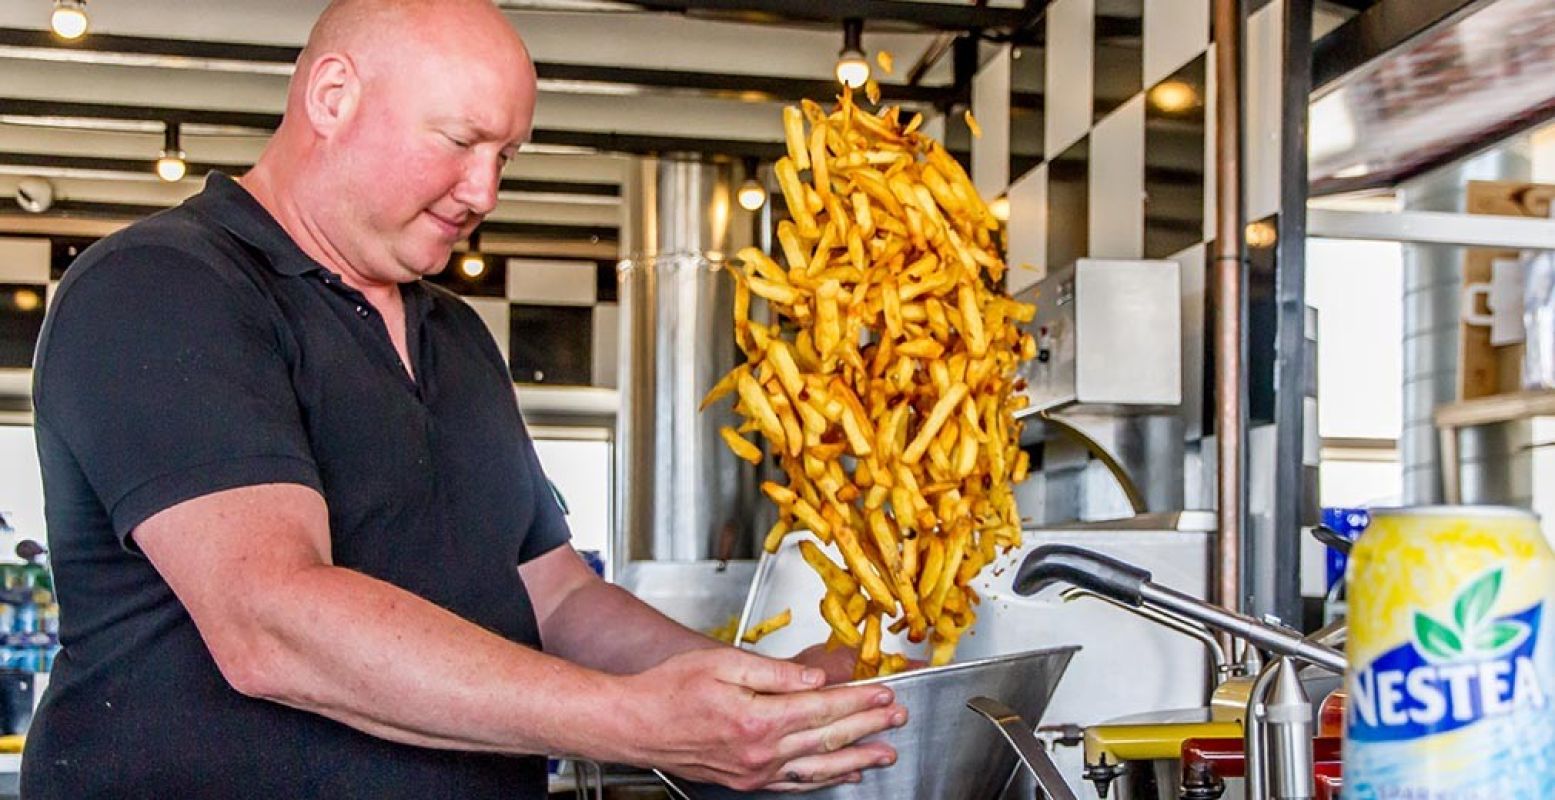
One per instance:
[(1432, 282), (681, 494)]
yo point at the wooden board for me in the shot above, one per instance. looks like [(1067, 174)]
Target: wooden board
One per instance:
[(1483, 369)]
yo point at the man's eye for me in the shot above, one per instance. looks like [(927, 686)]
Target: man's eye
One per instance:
[(457, 142)]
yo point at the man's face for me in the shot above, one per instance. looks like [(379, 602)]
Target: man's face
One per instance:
[(422, 158)]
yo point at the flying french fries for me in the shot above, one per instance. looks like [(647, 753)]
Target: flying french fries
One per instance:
[(886, 387)]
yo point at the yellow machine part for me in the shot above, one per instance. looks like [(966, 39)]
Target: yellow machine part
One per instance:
[(1150, 737)]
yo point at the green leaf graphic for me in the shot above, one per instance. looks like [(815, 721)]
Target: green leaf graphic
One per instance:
[(1475, 601), (1500, 635), (1435, 638)]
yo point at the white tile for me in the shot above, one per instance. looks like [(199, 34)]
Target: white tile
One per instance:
[(1117, 183), (607, 344), (1261, 132), (494, 312), (1070, 56), (547, 282), (1176, 31), (1027, 255), (991, 107), (24, 260)]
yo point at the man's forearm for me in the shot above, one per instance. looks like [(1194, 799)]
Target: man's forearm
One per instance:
[(367, 654), (604, 627)]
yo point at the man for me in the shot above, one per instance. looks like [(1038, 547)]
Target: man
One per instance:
[(302, 543)]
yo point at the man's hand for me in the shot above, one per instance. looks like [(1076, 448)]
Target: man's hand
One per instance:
[(749, 723), (836, 660)]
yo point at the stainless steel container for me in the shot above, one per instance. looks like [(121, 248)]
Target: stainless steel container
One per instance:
[(682, 495), (945, 750)]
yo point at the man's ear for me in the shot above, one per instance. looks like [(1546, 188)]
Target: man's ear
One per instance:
[(333, 90)]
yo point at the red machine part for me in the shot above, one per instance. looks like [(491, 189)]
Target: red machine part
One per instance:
[(1223, 757), (1328, 787), (1330, 715)]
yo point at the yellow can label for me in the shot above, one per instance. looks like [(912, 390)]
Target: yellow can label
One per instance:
[(1450, 666)]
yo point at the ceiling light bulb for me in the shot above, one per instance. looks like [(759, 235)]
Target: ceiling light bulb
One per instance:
[(751, 195), (171, 166), (1261, 234), (852, 69), (27, 300), (1174, 97), (1000, 208), (473, 265), (69, 19)]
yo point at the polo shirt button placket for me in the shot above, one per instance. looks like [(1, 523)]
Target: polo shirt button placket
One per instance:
[(361, 311)]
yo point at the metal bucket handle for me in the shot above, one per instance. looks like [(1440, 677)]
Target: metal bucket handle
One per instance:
[(1028, 748)]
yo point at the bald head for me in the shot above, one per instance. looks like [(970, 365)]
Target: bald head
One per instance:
[(400, 118), (371, 31)]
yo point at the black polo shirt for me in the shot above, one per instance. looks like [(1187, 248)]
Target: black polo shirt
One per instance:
[(202, 350)]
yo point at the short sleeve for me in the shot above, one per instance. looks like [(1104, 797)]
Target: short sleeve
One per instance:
[(549, 529), (165, 377)]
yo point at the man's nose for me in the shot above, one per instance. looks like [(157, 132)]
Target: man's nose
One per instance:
[(478, 190)]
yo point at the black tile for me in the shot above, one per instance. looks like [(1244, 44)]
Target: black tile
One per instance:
[(1175, 128), (1068, 202), (491, 282), (21, 318), (63, 251), (607, 286), (1261, 330), (1117, 64), (551, 344), (1028, 81)]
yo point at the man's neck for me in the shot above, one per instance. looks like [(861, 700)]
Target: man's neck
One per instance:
[(277, 199)]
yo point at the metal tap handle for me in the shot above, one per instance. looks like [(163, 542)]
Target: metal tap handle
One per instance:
[(1332, 538), (1028, 747), (1054, 563)]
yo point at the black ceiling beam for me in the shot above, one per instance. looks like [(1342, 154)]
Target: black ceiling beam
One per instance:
[(923, 16), (531, 230), (717, 84), (147, 166), (136, 113), (1379, 29), (603, 141)]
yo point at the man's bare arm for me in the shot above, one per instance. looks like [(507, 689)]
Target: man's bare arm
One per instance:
[(283, 623)]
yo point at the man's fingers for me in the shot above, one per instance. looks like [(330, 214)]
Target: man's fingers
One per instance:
[(837, 766), (798, 712), (767, 675), (834, 736), (785, 786)]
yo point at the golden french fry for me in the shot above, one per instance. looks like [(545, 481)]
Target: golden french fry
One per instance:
[(793, 133), (775, 536), (740, 445), (766, 627), (724, 387), (937, 418), (860, 568), (971, 124), (755, 401), (837, 579), (836, 616), (884, 59), (794, 195), (869, 651)]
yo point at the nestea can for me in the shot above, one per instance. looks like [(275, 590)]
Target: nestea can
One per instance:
[(1451, 660)]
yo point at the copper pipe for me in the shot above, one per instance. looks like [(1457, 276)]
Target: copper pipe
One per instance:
[(1230, 417)]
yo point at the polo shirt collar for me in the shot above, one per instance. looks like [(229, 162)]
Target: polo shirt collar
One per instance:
[(225, 202)]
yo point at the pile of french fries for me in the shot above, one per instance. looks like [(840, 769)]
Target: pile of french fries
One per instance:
[(885, 385)]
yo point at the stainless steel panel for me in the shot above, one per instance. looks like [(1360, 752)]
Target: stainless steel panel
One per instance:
[(701, 595), (683, 495), (1108, 339)]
